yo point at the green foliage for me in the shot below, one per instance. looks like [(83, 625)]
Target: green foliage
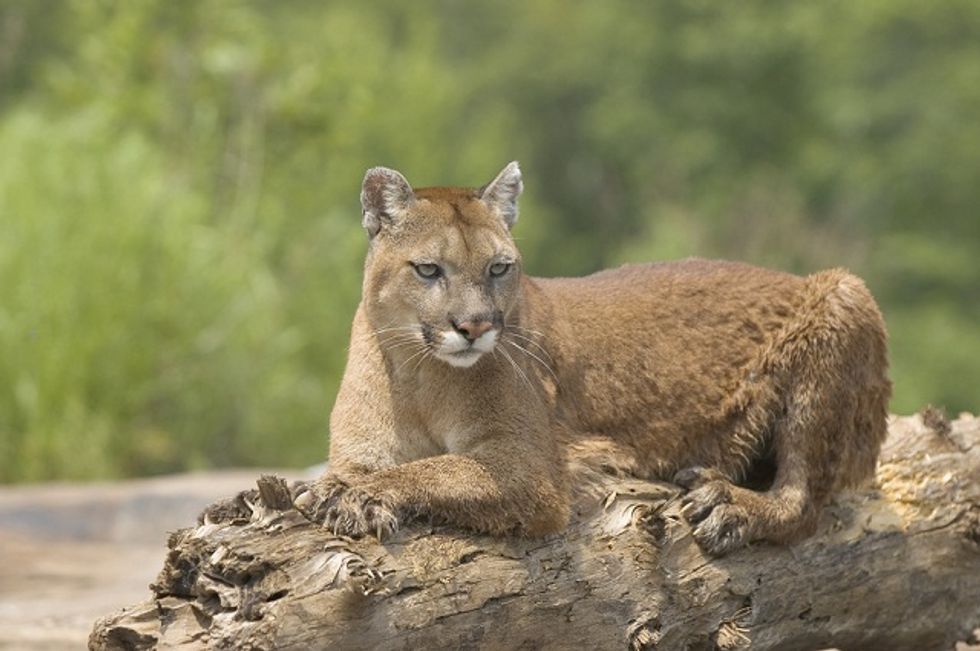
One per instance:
[(132, 325), (180, 245)]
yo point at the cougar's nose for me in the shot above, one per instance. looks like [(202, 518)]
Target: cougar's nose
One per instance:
[(472, 329)]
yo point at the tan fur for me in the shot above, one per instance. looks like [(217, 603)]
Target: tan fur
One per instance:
[(695, 366)]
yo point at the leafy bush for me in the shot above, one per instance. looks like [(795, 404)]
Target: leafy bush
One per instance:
[(180, 246)]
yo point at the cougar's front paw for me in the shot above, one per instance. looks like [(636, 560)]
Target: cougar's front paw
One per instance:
[(358, 512), (233, 509), (314, 498), (719, 525)]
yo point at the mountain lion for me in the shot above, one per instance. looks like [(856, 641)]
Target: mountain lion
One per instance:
[(471, 388)]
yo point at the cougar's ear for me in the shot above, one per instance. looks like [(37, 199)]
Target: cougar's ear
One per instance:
[(385, 194), (502, 192)]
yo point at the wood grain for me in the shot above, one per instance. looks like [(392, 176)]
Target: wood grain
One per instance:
[(894, 566)]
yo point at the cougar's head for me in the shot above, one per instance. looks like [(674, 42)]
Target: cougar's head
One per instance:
[(442, 273)]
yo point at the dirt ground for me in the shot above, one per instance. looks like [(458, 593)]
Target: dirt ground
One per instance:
[(70, 553)]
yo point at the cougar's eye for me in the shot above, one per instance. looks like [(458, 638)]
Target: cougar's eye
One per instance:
[(499, 268), (427, 270)]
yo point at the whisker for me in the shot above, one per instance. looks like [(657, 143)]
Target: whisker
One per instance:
[(536, 333), (408, 327), (392, 335), (517, 368), (527, 352), (536, 344), (383, 339), (401, 344), (387, 339), (380, 331), (428, 352), (414, 355), (397, 336), (538, 359), (399, 331), (395, 341)]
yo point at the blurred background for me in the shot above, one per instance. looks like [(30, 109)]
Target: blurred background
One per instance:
[(180, 240)]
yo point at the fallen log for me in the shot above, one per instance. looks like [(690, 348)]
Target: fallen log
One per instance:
[(894, 566)]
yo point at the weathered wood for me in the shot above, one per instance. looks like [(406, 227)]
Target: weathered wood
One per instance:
[(896, 566)]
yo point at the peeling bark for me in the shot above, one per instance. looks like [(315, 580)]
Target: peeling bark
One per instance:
[(895, 566)]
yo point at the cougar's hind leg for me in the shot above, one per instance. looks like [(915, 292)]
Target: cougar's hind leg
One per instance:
[(810, 436), (725, 517), (830, 365)]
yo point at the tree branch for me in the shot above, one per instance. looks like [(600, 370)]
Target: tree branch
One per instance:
[(895, 566)]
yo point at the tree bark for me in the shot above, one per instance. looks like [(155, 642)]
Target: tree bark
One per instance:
[(894, 566)]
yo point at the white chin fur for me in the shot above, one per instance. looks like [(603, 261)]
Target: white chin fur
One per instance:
[(456, 351), (460, 360)]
